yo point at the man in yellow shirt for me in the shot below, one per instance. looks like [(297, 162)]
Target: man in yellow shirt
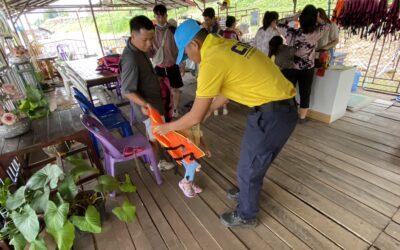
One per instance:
[(238, 72)]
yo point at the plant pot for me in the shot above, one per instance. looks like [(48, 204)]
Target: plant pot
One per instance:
[(18, 128), (90, 197), (4, 245)]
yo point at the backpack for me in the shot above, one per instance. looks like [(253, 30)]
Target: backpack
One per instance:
[(109, 63)]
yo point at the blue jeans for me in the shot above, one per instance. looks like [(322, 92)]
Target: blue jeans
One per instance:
[(265, 135)]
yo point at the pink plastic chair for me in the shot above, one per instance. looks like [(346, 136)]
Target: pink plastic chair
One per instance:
[(121, 150)]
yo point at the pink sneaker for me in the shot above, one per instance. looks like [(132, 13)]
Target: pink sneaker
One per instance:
[(187, 188), (196, 188)]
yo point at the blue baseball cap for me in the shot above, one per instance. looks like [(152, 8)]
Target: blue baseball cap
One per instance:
[(183, 35)]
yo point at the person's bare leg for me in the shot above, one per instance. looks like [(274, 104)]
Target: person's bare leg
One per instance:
[(303, 113), (225, 109), (176, 93)]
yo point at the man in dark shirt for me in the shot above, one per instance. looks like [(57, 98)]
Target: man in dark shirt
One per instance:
[(140, 83)]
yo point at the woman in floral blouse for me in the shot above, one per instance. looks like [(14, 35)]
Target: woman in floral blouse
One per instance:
[(304, 40)]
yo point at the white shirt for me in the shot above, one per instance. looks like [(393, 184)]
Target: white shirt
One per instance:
[(261, 41), (330, 35)]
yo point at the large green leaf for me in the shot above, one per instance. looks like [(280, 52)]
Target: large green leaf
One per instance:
[(55, 217), (18, 241), (32, 94), (64, 237), (107, 183), (125, 213), (68, 188), (81, 168), (38, 244), (51, 173), (4, 191), (25, 106), (17, 199), (26, 222), (40, 200), (90, 222), (127, 186)]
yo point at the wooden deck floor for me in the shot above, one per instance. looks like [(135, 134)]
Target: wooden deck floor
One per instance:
[(333, 186)]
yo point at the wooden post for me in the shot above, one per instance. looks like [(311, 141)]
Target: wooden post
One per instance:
[(95, 25), (294, 6), (83, 35)]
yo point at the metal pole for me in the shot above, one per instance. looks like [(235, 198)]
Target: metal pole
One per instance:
[(83, 35), (30, 28), (379, 59), (10, 17), (369, 62), (329, 8), (95, 25)]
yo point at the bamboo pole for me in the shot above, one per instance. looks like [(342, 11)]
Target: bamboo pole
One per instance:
[(83, 35), (95, 25)]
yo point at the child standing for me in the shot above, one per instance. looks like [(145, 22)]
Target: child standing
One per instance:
[(194, 134), (284, 55)]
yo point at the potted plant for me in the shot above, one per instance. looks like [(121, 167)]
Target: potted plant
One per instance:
[(52, 203), (12, 122), (35, 105)]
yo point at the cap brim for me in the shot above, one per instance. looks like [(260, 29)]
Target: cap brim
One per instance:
[(181, 54)]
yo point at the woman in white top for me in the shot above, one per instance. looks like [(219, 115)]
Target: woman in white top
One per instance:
[(266, 32), (330, 38)]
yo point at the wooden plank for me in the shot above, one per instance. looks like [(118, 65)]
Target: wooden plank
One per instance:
[(166, 231), (203, 237), (138, 236), (177, 224), (248, 237), (267, 220), (361, 124), (396, 216), (365, 140), (393, 229), (39, 130), (10, 145), (323, 224), (386, 242), (298, 171), (25, 141), (113, 229), (225, 238), (370, 134), (382, 178), (340, 215), (342, 181), (362, 152), (146, 223), (84, 241), (294, 224), (54, 129)]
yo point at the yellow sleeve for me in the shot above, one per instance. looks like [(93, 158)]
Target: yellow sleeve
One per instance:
[(210, 80)]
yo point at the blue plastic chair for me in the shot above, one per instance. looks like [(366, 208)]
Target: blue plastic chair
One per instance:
[(99, 110), (111, 119)]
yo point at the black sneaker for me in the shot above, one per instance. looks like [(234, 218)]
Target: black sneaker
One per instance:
[(302, 121), (232, 219), (233, 194)]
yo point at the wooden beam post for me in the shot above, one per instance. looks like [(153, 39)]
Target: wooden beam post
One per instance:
[(95, 25)]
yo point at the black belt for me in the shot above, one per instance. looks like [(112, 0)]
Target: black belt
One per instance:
[(277, 105)]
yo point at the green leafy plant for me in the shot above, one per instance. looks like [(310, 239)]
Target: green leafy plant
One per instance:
[(35, 105), (52, 202)]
